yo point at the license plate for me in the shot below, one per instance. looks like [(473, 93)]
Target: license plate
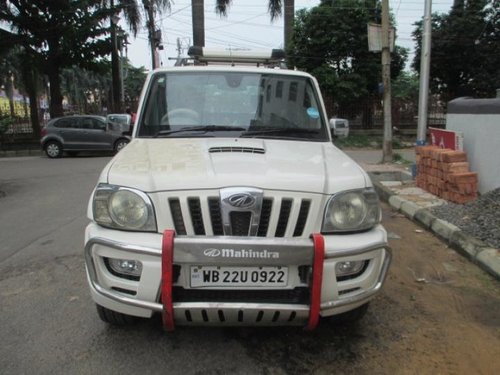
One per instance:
[(208, 276)]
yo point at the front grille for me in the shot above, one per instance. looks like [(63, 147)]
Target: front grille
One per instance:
[(279, 216), (283, 296)]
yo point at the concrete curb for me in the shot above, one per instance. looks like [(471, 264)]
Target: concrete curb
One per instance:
[(475, 250), (24, 152)]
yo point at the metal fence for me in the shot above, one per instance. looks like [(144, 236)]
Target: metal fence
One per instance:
[(368, 114)]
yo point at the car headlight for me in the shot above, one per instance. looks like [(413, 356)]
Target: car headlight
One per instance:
[(352, 210), (123, 208)]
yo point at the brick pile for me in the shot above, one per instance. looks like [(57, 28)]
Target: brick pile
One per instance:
[(445, 173)]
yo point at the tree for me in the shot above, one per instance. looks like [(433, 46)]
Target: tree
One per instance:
[(134, 82), (330, 42), (8, 70), (16, 67), (465, 52), (57, 34), (130, 9), (221, 8)]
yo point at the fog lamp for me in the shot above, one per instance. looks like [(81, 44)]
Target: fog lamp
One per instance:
[(349, 267), (126, 267)]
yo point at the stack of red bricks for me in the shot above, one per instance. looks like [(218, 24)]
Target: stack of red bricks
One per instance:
[(445, 173)]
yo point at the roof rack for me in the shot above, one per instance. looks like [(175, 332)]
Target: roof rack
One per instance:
[(272, 58)]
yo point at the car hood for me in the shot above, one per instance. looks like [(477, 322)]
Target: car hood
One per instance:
[(153, 165)]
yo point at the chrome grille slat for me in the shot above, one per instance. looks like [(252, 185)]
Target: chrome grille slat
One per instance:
[(186, 214), (293, 217)]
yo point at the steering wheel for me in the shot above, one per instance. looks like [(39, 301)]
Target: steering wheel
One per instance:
[(181, 116)]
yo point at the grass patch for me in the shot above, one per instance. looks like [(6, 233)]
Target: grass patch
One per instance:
[(358, 141), (399, 159), (369, 141)]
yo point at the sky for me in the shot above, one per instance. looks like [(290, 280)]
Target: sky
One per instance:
[(248, 26)]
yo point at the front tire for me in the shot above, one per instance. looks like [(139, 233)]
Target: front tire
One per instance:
[(114, 318), (53, 149), (120, 144)]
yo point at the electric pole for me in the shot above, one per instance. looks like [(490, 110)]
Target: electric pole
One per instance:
[(386, 81), (115, 67), (425, 62), (150, 23)]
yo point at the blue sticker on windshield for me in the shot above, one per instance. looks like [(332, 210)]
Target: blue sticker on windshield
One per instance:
[(312, 112)]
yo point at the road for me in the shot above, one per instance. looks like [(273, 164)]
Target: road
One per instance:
[(437, 314)]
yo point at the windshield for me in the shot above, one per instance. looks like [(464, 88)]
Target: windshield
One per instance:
[(119, 119), (232, 104)]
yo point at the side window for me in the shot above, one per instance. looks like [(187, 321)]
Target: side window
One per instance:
[(86, 123), (156, 106), (99, 125), (63, 123)]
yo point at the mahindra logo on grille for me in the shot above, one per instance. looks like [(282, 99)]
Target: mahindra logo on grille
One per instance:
[(243, 253), (211, 253), (241, 200)]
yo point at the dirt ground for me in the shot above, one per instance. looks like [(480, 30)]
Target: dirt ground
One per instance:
[(445, 309), (438, 314)]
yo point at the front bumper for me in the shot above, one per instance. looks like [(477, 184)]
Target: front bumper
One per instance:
[(143, 297)]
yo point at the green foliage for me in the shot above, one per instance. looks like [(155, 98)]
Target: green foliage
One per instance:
[(57, 34), (399, 159), (465, 54), (133, 82), (358, 141), (405, 86), (368, 141), (5, 122), (331, 42)]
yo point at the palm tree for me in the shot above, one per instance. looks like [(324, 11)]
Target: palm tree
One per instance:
[(132, 14), (221, 7)]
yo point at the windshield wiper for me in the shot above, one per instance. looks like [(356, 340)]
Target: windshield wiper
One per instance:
[(205, 129), (278, 131)]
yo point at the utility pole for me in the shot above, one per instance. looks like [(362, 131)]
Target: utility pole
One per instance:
[(425, 62), (150, 23), (198, 20), (386, 81), (115, 68), (289, 12)]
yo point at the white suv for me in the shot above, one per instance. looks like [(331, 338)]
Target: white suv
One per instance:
[(231, 206)]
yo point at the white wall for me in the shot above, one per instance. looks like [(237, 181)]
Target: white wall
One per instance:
[(482, 145)]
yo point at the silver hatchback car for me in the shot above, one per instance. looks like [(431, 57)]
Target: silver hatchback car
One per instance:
[(73, 134)]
